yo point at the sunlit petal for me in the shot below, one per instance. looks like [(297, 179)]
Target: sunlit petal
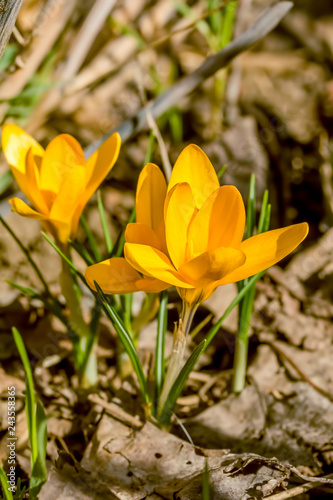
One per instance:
[(266, 249), (194, 167), (62, 155), (113, 276), (16, 144), (150, 196), (211, 266), (180, 211), (151, 262), (22, 208), (142, 234), (219, 222)]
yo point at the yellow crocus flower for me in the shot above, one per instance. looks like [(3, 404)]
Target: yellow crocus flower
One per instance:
[(189, 234), (57, 181)]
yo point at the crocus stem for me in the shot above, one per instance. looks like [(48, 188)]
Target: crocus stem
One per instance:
[(178, 350), (84, 346)]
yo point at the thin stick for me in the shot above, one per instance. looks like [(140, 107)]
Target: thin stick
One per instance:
[(299, 371), (256, 32), (293, 492), (8, 15)]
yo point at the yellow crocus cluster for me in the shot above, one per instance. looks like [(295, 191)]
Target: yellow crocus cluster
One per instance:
[(189, 235), (57, 181)]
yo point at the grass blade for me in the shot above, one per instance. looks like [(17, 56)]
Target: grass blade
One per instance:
[(251, 208), (126, 340), (30, 396), (106, 232), (263, 210), (91, 239), (120, 242), (83, 252), (165, 415), (205, 483), (66, 259), (5, 181), (3, 481), (27, 254), (160, 344)]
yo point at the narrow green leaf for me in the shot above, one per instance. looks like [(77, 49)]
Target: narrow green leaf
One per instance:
[(106, 232), (267, 218), (8, 56), (149, 152), (27, 254), (213, 331), (83, 252), (251, 208), (120, 242), (221, 172), (262, 216), (30, 396), (126, 341), (3, 481), (165, 415), (66, 259), (39, 471), (160, 344), (91, 239), (205, 483)]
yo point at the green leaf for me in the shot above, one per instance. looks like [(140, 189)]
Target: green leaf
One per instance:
[(263, 210), (106, 232), (205, 483), (66, 259), (27, 254), (91, 239), (120, 242), (251, 208), (36, 420), (160, 343), (126, 340), (83, 252), (165, 415), (3, 481), (213, 331)]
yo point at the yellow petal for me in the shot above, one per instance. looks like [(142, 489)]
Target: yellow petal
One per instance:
[(23, 209), (65, 205), (179, 213), (32, 177), (150, 196), (264, 250), (62, 155), (142, 234), (151, 285), (219, 223), (16, 144), (212, 266), (113, 276), (151, 262), (194, 167), (100, 164)]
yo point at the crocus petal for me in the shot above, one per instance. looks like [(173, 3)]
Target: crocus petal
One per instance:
[(212, 266), (219, 223), (151, 285), (22, 208), (194, 167), (16, 144), (179, 213), (100, 164), (150, 196), (113, 276), (151, 262), (61, 155), (266, 249), (32, 178), (66, 202), (142, 234)]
